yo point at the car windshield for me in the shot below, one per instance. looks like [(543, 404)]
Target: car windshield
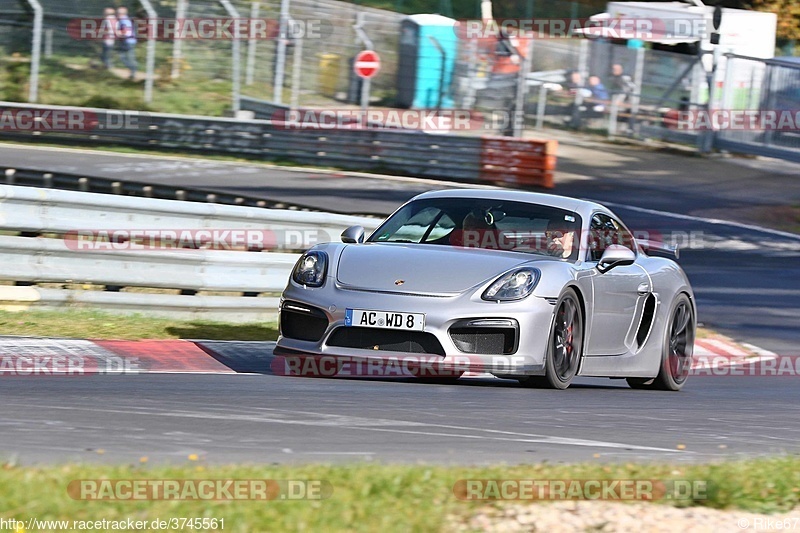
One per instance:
[(484, 223)]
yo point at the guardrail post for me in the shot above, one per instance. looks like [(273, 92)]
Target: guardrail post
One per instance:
[(180, 195), (147, 190), (83, 184), (10, 176), (116, 187), (211, 198), (47, 181)]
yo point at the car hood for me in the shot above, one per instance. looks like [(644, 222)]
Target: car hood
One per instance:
[(423, 268)]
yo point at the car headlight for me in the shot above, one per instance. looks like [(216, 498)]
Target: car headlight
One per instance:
[(310, 270), (514, 285)]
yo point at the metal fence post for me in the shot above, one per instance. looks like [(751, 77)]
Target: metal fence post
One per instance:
[(251, 47), (362, 36), (151, 49), (522, 90), (583, 68), (180, 14), (296, 68), (36, 50), (727, 85), (237, 63), (280, 59), (541, 106), (48, 43), (472, 74)]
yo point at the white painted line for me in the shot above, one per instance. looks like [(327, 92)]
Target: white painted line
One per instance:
[(718, 221), (369, 424)]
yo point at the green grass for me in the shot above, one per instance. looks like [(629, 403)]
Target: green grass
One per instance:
[(85, 324), (70, 80), (370, 497)]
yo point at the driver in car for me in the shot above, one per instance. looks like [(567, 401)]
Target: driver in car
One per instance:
[(560, 242)]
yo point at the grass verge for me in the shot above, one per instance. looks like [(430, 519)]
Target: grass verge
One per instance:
[(87, 324), (369, 497)]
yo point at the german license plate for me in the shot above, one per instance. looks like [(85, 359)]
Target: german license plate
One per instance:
[(384, 319)]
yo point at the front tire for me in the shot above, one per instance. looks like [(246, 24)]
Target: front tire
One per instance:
[(564, 345)]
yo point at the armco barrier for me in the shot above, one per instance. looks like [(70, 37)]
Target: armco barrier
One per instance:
[(54, 259), (78, 182), (36, 210), (407, 152)]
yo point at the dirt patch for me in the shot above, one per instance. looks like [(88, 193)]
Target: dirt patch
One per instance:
[(622, 517)]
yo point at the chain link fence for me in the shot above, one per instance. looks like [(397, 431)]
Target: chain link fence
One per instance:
[(322, 43), (645, 92)]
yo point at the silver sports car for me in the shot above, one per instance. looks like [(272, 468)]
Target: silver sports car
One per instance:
[(526, 286)]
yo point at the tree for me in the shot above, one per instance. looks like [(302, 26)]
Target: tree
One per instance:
[(788, 12)]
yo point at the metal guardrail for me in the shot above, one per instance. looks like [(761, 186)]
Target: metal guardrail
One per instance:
[(78, 182), (401, 152), (61, 259), (35, 210), (406, 152)]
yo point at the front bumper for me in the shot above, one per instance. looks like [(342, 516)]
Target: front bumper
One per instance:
[(531, 317)]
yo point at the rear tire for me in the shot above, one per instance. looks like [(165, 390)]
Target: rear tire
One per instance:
[(564, 345), (676, 351)]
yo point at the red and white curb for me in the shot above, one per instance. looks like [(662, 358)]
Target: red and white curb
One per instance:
[(22, 356)]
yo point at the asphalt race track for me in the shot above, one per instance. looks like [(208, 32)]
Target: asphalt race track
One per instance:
[(747, 282)]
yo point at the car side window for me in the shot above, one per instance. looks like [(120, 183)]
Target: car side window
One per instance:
[(605, 231)]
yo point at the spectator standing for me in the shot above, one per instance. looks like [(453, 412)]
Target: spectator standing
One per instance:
[(620, 83), (109, 26), (127, 40)]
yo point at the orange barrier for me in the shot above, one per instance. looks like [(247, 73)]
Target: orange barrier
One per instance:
[(521, 162)]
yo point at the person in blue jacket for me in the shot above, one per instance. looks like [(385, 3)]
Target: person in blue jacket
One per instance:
[(126, 37)]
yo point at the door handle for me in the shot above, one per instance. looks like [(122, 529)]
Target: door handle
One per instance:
[(644, 288)]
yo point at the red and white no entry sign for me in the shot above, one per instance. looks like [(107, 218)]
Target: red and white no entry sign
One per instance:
[(367, 64)]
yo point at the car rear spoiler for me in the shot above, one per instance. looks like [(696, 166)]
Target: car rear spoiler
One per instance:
[(657, 247)]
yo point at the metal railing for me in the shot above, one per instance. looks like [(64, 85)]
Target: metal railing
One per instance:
[(49, 251), (404, 152)]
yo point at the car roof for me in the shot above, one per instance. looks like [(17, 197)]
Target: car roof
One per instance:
[(583, 207)]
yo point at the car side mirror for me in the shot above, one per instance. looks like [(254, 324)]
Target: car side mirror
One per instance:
[(615, 255), (353, 235)]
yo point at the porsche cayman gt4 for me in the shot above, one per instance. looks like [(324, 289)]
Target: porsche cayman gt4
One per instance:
[(526, 286)]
